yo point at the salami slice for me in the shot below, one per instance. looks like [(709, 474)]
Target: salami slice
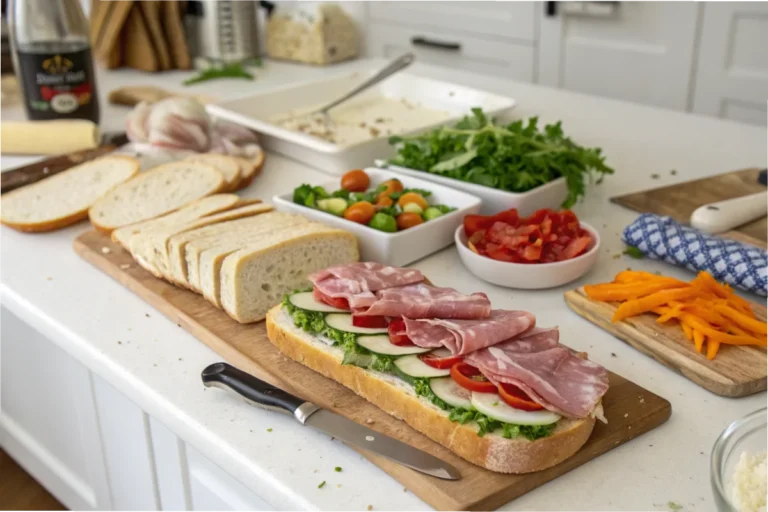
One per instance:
[(423, 301), (465, 336), (357, 282), (555, 378)]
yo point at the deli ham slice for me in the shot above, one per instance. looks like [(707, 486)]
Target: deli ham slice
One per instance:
[(423, 301), (534, 340), (556, 378), (357, 282), (465, 336)]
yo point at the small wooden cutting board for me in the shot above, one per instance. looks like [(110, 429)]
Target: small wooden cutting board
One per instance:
[(736, 371), (679, 201), (630, 409)]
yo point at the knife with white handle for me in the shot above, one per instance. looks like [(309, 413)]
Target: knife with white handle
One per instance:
[(269, 397), (725, 215)]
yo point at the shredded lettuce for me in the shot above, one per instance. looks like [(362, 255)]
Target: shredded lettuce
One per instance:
[(314, 323)]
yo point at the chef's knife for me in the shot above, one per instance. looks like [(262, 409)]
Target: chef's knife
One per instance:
[(36, 171), (731, 213), (263, 395)]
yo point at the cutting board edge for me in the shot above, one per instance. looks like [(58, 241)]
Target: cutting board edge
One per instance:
[(574, 298)]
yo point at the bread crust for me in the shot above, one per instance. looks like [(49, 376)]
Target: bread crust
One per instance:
[(256, 166), (74, 217), (491, 451)]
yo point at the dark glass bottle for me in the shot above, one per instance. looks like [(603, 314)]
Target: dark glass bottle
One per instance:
[(52, 57)]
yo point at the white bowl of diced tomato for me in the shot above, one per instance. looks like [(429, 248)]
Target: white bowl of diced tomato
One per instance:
[(545, 250)]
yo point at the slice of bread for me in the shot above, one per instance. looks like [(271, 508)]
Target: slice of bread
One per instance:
[(226, 165), (188, 213), (254, 279), (156, 192), (250, 168), (152, 248), (232, 240), (398, 399), (210, 260), (64, 199)]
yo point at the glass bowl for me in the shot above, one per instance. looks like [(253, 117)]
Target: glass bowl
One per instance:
[(747, 434)]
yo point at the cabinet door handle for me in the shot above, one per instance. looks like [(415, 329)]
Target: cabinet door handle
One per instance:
[(550, 9), (441, 45)]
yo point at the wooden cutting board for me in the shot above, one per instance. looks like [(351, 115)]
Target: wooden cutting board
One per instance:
[(679, 201), (736, 371), (631, 410)]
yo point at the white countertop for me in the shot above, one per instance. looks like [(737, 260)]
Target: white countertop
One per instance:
[(86, 312)]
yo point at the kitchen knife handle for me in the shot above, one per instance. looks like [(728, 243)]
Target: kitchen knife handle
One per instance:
[(261, 394)]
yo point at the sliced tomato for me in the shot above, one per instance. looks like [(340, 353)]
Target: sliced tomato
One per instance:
[(576, 247), (517, 398), (397, 333), (373, 321), (339, 302), (438, 359), (474, 223), (469, 377)]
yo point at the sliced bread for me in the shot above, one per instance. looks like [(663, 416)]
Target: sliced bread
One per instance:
[(64, 199), (188, 213), (226, 165), (156, 192), (210, 260), (152, 249), (184, 249), (250, 168), (256, 278)]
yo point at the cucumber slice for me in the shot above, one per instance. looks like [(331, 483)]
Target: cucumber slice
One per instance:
[(494, 407), (307, 302), (343, 322), (380, 344), (451, 393), (412, 366), (355, 359)]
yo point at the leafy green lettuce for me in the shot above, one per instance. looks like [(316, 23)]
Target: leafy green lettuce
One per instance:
[(516, 157)]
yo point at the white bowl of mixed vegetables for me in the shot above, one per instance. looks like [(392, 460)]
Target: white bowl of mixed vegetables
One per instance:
[(396, 219)]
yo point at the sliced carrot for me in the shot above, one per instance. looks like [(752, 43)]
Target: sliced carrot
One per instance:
[(712, 348), (742, 320), (688, 331), (619, 292), (647, 303), (698, 340)]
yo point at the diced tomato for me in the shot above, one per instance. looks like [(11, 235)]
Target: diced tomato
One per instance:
[(439, 362), (532, 253), (397, 333), (517, 398), (369, 321), (576, 247), (470, 378), (474, 223), (339, 302)]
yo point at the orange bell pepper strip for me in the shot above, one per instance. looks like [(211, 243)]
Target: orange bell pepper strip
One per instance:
[(621, 292), (633, 276), (724, 292), (687, 331), (742, 320), (698, 340), (712, 348), (649, 302), (669, 313), (713, 334)]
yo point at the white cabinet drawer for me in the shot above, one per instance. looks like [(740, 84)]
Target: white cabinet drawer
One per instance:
[(445, 48), (509, 20)]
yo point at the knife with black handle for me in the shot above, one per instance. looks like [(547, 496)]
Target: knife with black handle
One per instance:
[(264, 395)]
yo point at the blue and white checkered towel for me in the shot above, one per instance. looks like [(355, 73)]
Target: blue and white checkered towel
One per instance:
[(728, 261)]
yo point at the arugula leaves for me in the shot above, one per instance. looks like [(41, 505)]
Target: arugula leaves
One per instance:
[(516, 157)]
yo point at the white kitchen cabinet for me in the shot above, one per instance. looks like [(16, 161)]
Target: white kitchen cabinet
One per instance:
[(642, 53), (732, 65), (92, 447)]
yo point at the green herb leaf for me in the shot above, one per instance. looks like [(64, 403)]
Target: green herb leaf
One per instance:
[(321, 484), (234, 70), (337, 469), (634, 252)]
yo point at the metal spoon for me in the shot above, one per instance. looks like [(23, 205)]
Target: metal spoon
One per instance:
[(393, 67)]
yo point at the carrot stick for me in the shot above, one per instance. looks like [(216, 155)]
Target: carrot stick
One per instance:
[(698, 340), (712, 348), (742, 320), (647, 303), (687, 331)]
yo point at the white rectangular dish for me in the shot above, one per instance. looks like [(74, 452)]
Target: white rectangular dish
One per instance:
[(549, 195), (259, 111), (405, 246)]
